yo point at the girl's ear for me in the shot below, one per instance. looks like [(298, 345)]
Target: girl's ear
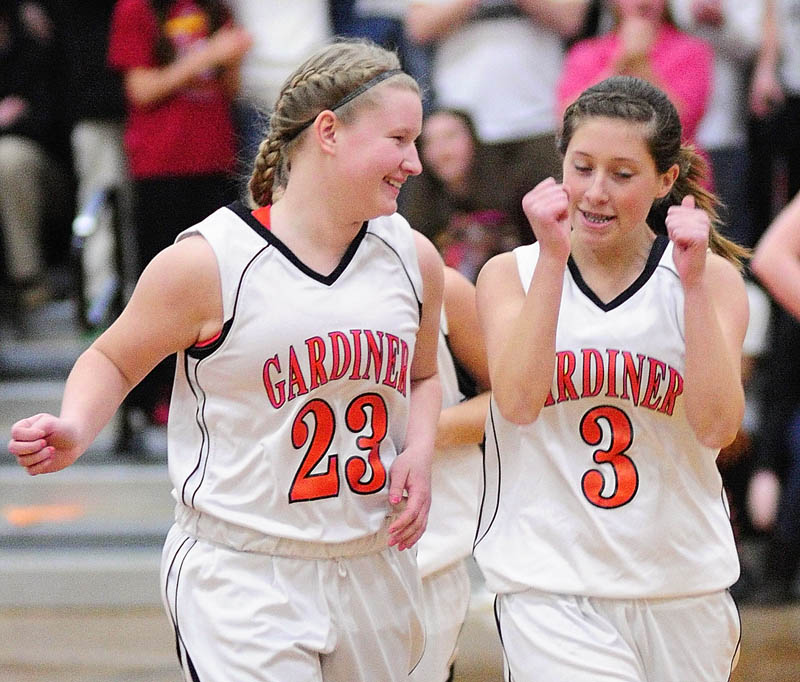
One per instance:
[(325, 128), (667, 179)]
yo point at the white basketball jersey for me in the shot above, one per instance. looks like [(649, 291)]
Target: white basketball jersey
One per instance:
[(608, 493), (288, 423), (455, 484)]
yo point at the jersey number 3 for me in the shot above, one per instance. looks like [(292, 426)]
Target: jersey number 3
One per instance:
[(626, 478), (367, 409)]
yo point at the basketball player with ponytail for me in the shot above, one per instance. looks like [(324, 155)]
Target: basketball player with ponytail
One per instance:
[(306, 400), (614, 346)]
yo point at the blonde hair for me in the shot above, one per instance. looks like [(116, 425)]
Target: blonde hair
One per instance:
[(636, 100), (329, 79)]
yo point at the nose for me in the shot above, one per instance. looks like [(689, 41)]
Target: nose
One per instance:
[(596, 192), (411, 163)]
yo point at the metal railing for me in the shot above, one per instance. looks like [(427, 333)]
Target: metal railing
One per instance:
[(97, 259)]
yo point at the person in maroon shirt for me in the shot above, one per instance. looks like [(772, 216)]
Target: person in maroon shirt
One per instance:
[(180, 64)]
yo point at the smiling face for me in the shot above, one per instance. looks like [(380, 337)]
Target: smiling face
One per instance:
[(612, 181), (379, 150)]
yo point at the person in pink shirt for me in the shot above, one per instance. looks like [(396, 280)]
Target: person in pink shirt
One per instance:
[(644, 42)]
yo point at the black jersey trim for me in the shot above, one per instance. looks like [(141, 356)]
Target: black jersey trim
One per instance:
[(656, 251), (478, 534), (405, 270), (205, 441), (244, 213), (200, 352)]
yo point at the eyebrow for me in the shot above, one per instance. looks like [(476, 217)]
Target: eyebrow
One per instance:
[(619, 159)]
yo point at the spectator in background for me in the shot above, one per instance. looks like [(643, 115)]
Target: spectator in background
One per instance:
[(499, 61), (180, 64), (776, 262), (645, 43), (96, 111), (384, 22), (284, 34), (733, 28), (34, 152), (453, 201), (775, 86), (775, 105), (738, 461)]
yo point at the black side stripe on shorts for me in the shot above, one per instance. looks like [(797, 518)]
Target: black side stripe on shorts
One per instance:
[(500, 635), (184, 660)]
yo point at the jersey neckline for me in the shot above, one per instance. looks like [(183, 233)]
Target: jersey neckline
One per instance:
[(264, 231), (653, 259)]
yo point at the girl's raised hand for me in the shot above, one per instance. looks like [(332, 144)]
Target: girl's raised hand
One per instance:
[(547, 208), (688, 228)]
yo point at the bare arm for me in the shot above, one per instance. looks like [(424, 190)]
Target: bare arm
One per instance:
[(776, 261), (146, 86), (411, 471), (765, 88), (464, 423), (565, 17), (520, 329), (716, 315), (176, 303), (716, 320), (427, 23)]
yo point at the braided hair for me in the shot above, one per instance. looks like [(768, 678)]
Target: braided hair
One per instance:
[(329, 79)]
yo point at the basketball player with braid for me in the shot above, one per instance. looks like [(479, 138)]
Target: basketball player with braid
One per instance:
[(305, 405), (614, 346)]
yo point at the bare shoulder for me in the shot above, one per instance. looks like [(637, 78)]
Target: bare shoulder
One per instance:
[(724, 275), (426, 251), (430, 262), (728, 289), (499, 273), (182, 283)]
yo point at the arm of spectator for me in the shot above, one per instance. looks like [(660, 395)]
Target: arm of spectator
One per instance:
[(427, 23), (146, 86), (765, 88), (776, 261), (734, 32), (565, 17)]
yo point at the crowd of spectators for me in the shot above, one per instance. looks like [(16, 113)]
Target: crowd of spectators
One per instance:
[(165, 100)]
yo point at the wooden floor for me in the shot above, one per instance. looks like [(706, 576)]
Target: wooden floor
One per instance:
[(135, 645)]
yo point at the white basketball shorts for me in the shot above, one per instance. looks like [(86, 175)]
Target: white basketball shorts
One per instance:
[(564, 638), (256, 617)]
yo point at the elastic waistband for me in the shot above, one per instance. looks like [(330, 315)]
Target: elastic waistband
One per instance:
[(216, 531)]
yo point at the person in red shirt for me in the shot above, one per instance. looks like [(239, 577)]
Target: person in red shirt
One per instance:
[(180, 63)]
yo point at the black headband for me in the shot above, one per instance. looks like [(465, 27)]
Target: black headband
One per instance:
[(382, 76)]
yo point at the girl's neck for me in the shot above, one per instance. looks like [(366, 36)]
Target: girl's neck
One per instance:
[(610, 270), (311, 228)]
